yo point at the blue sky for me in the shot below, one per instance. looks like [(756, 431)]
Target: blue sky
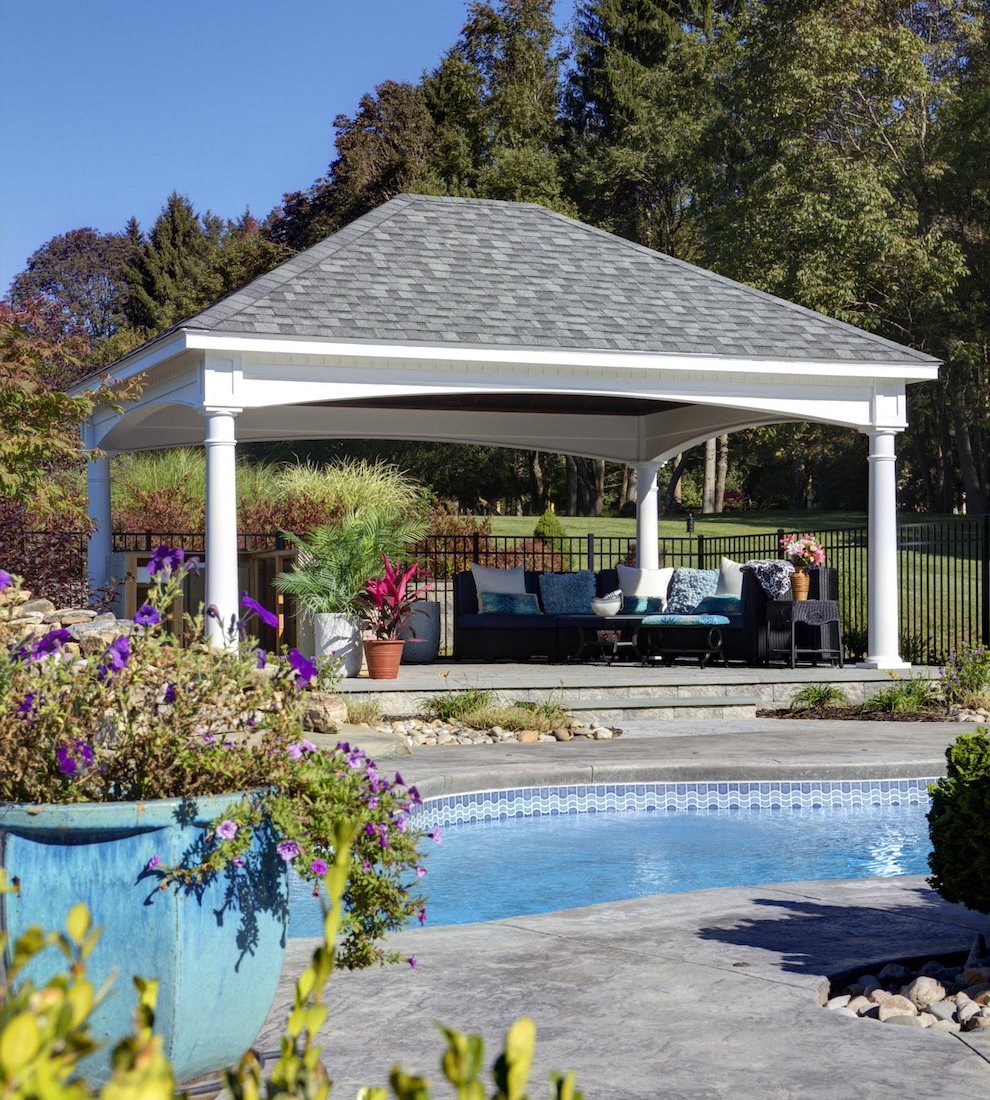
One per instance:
[(106, 106)]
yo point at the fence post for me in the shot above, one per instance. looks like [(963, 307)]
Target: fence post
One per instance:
[(147, 541), (477, 547), (985, 610), (591, 552), (701, 551)]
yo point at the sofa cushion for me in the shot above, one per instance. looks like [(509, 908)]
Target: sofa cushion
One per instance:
[(642, 605), (644, 582), (719, 605), (774, 575), (688, 587), (684, 620), (508, 603), (567, 593), (498, 580), (729, 578)]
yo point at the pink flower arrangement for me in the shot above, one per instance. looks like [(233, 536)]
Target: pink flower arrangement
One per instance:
[(803, 551), (387, 602)]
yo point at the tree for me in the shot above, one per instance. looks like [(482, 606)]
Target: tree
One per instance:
[(40, 435), (169, 279), (636, 100), (82, 273)]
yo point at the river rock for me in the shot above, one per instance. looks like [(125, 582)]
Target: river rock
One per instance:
[(527, 737), (923, 991), (896, 1005), (323, 712)]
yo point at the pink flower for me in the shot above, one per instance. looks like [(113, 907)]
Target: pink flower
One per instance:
[(227, 830), (420, 872)]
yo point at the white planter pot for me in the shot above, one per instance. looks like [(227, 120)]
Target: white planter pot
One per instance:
[(340, 635), (424, 627)]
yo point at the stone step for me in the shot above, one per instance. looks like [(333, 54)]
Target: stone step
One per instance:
[(659, 706)]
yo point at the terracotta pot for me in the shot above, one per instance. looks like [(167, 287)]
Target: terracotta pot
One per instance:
[(800, 582), (383, 656)]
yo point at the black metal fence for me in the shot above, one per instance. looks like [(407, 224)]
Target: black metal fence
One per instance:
[(943, 568)]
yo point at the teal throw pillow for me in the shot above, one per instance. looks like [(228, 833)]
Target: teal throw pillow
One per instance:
[(567, 593), (508, 603), (719, 605), (688, 587), (643, 605)]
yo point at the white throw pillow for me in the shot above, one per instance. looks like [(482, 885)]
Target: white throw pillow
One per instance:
[(498, 580), (730, 578), (644, 582)]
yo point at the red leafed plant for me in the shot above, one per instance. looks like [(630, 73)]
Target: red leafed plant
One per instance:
[(387, 602)]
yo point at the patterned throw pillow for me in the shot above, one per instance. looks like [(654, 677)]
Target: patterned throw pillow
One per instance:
[(688, 587), (567, 593), (774, 575), (508, 603), (719, 605)]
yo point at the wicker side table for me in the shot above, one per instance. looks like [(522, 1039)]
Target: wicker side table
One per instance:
[(804, 628)]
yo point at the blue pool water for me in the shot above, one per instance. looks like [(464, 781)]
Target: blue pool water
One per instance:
[(494, 869)]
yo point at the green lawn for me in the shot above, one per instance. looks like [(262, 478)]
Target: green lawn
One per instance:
[(726, 524)]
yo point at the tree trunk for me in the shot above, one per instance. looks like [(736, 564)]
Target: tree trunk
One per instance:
[(673, 488), (674, 492), (708, 490), (721, 472), (976, 498), (537, 483), (571, 488)]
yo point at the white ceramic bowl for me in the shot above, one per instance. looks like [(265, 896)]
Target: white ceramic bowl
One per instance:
[(606, 608)]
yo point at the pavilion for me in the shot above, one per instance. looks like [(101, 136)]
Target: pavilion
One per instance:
[(472, 321)]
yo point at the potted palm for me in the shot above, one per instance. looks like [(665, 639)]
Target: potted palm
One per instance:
[(171, 788), (331, 568), (385, 607)]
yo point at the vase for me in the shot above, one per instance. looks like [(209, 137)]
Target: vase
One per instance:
[(216, 949), (422, 632), (340, 636), (800, 582), (383, 657)]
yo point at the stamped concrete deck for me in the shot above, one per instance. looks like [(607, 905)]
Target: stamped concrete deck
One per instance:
[(696, 995)]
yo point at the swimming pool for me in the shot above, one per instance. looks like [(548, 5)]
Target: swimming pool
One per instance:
[(540, 849)]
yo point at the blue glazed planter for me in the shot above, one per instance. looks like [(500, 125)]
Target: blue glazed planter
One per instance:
[(217, 950)]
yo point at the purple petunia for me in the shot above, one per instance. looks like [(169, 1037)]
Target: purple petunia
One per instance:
[(356, 758), (420, 872), (115, 657), (262, 655), (300, 749), (147, 615), (435, 836), (238, 861), (227, 830), (304, 668), (74, 757), (422, 915), (166, 559), (5, 579), (412, 961), (169, 696), (255, 608), (399, 781), (152, 863), (27, 705), (287, 850), (401, 824), (52, 642), (319, 867)]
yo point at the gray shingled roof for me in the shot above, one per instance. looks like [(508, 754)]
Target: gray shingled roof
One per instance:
[(429, 270)]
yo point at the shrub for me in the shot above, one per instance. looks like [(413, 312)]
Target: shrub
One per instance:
[(959, 824), (550, 531), (966, 675)]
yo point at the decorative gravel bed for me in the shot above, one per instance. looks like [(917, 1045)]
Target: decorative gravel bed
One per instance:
[(424, 731)]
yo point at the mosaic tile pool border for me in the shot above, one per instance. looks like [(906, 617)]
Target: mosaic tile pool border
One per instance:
[(475, 806)]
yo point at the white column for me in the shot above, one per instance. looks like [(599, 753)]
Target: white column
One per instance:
[(101, 540), (647, 518), (221, 521), (883, 647)]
